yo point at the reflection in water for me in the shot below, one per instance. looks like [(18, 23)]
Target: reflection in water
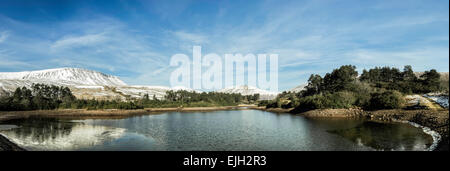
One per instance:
[(250, 130), (52, 134), (386, 136), (7, 127)]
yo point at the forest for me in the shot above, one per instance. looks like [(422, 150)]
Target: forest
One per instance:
[(377, 88)]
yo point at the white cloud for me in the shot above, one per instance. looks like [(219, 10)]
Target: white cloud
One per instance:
[(191, 37), (75, 41)]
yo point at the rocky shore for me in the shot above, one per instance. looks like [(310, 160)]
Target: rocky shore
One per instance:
[(335, 113)]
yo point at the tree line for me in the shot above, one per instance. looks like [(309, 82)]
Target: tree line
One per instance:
[(48, 97), (192, 98), (39, 97), (378, 88)]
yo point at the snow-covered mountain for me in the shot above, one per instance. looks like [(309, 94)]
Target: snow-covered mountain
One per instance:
[(64, 76), (249, 90), (84, 83)]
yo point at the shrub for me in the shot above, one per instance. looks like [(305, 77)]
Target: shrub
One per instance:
[(274, 103), (338, 100), (263, 103), (362, 94), (343, 99), (390, 99), (311, 102)]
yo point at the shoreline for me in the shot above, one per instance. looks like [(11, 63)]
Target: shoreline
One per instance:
[(8, 115), (434, 120), (435, 135)]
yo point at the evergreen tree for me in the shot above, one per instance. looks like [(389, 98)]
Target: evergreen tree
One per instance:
[(340, 79), (431, 80)]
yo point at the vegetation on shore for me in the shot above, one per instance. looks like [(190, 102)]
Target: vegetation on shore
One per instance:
[(49, 97), (378, 88)]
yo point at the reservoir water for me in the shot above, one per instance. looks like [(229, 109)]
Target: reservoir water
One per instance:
[(249, 130)]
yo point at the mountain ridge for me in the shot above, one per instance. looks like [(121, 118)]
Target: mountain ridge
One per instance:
[(77, 76)]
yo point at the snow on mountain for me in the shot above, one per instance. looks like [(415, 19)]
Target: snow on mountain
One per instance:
[(249, 90), (64, 76), (176, 88), (139, 91), (90, 87), (157, 91), (298, 88), (83, 83)]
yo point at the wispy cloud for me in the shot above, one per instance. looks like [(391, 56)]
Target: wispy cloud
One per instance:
[(421, 59), (3, 36), (191, 37), (76, 41)]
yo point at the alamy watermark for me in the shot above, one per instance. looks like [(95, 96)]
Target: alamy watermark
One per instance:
[(220, 74)]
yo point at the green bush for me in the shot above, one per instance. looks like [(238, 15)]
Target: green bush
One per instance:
[(263, 103), (342, 99), (390, 99), (312, 102), (273, 103)]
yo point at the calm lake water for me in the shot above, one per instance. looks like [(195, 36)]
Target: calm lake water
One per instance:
[(219, 130)]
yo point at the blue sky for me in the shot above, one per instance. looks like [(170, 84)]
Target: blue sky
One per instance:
[(135, 39)]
